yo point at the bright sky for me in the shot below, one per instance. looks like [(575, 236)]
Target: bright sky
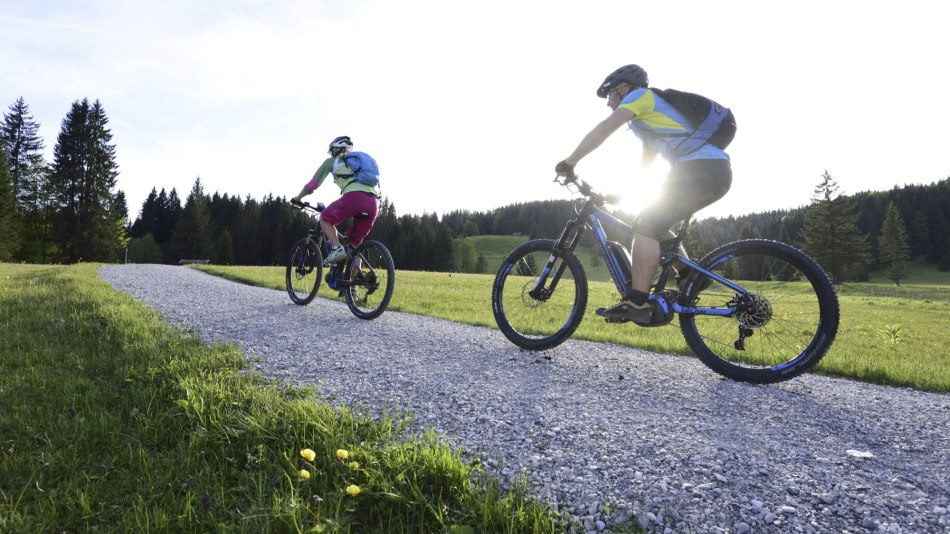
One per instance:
[(470, 104)]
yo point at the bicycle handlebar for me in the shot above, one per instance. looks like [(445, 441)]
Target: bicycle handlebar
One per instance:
[(585, 189), (307, 206)]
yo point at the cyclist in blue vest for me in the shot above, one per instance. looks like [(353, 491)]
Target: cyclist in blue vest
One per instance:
[(356, 198), (699, 175)]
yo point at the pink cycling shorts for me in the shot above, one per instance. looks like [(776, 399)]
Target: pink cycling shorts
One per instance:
[(351, 205)]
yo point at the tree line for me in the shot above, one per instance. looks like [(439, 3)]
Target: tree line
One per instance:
[(847, 240), (69, 210)]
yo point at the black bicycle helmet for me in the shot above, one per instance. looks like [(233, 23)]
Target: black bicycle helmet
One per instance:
[(341, 142), (631, 74)]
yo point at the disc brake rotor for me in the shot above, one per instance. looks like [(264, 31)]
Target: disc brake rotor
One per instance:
[(757, 313)]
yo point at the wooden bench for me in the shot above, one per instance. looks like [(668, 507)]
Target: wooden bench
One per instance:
[(189, 262)]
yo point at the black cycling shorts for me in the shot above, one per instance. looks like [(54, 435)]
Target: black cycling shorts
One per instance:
[(689, 187)]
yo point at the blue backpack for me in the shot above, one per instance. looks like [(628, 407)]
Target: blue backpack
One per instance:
[(365, 170)]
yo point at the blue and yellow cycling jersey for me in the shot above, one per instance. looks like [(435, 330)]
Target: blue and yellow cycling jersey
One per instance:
[(662, 128)]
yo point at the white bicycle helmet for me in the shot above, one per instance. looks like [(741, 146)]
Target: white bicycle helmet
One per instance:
[(341, 142)]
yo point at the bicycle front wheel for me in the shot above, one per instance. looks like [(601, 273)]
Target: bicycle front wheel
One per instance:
[(372, 275), (304, 270), (781, 330), (538, 308)]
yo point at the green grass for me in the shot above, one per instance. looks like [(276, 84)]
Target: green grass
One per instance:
[(111, 420), (921, 273), (884, 340)]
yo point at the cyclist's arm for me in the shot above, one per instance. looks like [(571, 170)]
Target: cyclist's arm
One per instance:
[(599, 134), (317, 179)]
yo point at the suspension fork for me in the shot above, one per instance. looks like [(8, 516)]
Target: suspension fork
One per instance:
[(565, 244), (312, 234)]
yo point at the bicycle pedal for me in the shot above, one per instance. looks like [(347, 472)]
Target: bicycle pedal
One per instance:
[(616, 320)]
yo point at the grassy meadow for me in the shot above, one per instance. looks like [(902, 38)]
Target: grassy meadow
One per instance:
[(113, 421), (495, 247), (891, 340)]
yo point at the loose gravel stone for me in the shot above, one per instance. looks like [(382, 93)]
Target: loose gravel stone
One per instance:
[(672, 443)]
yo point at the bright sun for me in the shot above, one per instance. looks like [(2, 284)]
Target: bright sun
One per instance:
[(641, 188)]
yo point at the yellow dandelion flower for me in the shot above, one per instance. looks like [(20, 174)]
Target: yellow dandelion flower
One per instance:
[(353, 490), (342, 454), (308, 454), (304, 474), (354, 465)]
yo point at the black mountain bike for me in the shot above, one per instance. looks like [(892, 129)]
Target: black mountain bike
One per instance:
[(364, 279), (754, 310)]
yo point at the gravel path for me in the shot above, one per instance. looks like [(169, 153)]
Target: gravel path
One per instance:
[(605, 432)]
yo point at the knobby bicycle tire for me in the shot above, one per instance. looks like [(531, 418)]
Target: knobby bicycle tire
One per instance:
[(304, 271), (373, 283), (538, 322), (789, 327)]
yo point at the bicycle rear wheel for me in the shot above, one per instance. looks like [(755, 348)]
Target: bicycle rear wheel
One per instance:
[(539, 318), (784, 329), (372, 281), (304, 270)]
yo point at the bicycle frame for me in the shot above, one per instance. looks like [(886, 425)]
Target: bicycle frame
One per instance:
[(592, 216), (317, 234)]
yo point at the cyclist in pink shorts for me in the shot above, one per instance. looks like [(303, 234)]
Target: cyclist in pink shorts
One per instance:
[(356, 198)]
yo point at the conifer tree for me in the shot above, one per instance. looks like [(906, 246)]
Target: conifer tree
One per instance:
[(192, 235), (893, 245), (119, 213), (9, 233), (440, 253), (171, 212), (149, 216), (920, 225), (162, 221), (245, 236), (694, 244), (88, 217), (24, 153), (224, 249), (30, 176), (944, 264), (830, 234)]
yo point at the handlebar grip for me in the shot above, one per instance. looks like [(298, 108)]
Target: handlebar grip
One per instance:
[(567, 169)]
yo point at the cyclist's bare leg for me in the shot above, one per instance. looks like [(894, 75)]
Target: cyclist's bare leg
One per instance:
[(330, 231), (681, 250), (634, 306), (645, 253)]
